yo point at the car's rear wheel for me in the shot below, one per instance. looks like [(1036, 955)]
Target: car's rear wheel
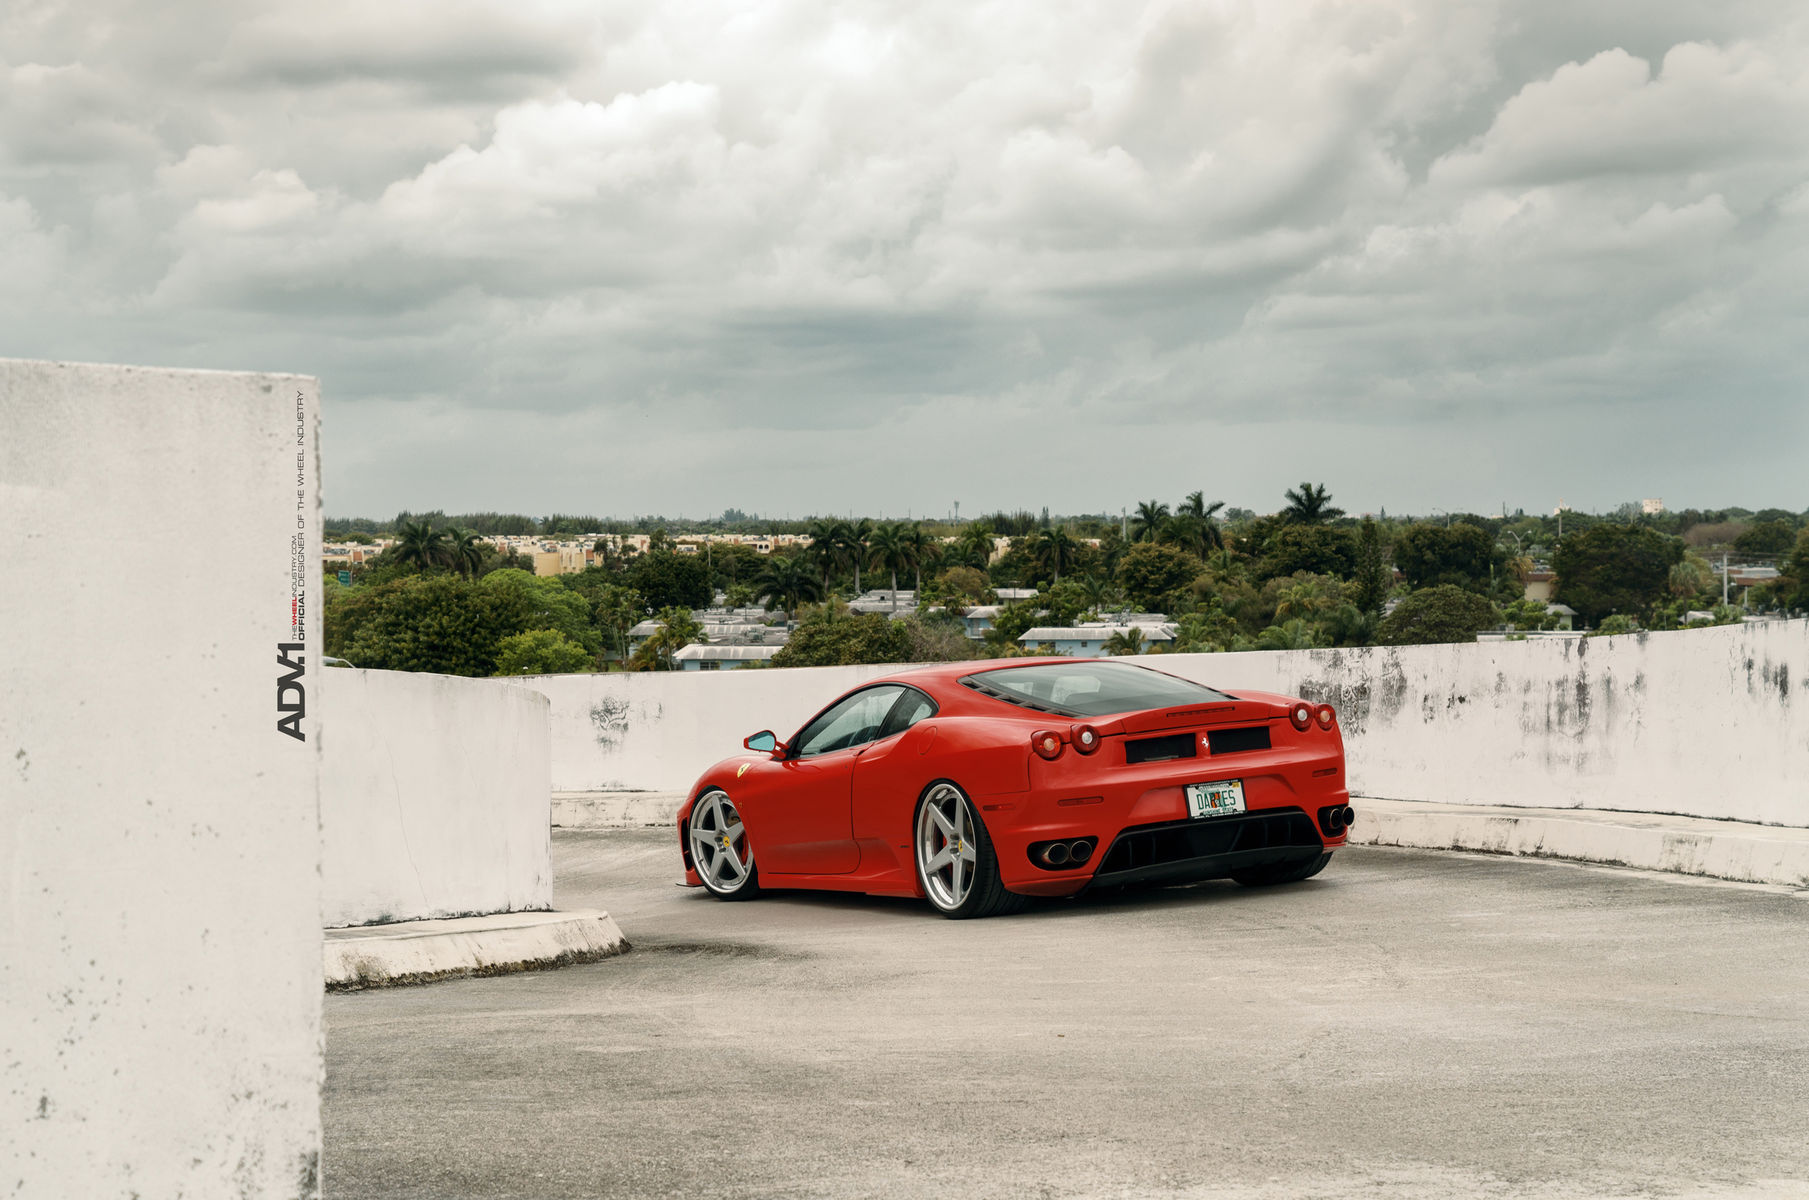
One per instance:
[(956, 864), (1282, 872), (720, 851)]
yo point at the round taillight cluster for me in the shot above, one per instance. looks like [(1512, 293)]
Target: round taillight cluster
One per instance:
[(1302, 716), (1047, 744), (1325, 714), (1085, 738)]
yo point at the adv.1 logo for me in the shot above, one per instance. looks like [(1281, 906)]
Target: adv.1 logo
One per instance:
[(291, 697)]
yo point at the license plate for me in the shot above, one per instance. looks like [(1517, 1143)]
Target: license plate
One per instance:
[(1215, 799)]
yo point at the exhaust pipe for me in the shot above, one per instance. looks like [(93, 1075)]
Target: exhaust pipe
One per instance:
[(1080, 852), (1350, 816), (1056, 854)]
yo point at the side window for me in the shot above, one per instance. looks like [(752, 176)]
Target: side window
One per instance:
[(911, 708), (853, 722)]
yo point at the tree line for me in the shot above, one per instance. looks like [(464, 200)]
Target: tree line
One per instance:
[(441, 598)]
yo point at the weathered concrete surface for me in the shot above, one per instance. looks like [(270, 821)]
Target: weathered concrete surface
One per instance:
[(1408, 1025), (159, 834), (1701, 722), (427, 951), (1687, 845), (615, 810), (433, 797)]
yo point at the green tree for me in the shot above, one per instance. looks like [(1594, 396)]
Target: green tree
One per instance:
[(1316, 549), (1613, 624), (1444, 613), (541, 652), (786, 582), (678, 629), (1128, 640), (1310, 505), (1373, 576), (1050, 549), (548, 604), (1297, 634), (891, 550), (465, 552), (1195, 527), (1147, 524), (1612, 568), (1462, 555), (828, 638), (666, 579), (959, 588), (439, 623), (1206, 630), (1528, 615), (1156, 577), (421, 546), (856, 538), (1767, 539)]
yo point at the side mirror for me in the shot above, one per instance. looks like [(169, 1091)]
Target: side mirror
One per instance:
[(763, 741)]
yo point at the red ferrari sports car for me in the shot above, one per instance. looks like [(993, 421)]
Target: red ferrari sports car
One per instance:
[(979, 784)]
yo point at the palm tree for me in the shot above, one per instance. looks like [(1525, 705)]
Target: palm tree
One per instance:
[(891, 549), (1049, 548), (419, 543), (974, 547), (1311, 505), (855, 538), (925, 550), (1102, 593), (1148, 522), (825, 546), (1125, 641), (1195, 525), (465, 551), (786, 582)]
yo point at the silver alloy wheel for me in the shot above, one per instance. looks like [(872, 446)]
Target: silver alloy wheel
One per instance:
[(948, 856), (719, 847)]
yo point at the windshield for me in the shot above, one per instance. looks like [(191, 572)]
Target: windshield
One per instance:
[(1089, 689)]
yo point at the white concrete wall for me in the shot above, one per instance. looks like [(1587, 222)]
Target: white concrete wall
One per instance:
[(434, 797), (160, 941), (1704, 722)]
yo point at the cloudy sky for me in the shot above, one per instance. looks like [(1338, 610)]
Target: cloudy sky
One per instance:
[(826, 255)]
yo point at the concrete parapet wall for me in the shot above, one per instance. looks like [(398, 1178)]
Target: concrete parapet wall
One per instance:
[(160, 941), (434, 798), (1703, 722)]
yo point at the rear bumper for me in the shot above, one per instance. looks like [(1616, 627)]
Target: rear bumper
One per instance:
[(1213, 848)]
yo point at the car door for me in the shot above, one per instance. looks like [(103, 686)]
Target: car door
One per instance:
[(808, 822), (881, 780)]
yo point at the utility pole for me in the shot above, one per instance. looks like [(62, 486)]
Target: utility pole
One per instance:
[(1724, 578), (1124, 526)]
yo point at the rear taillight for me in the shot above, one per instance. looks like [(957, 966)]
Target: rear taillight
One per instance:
[(1325, 714), (1086, 738), (1047, 743), (1302, 716)]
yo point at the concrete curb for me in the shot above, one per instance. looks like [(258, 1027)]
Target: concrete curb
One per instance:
[(1650, 841), (412, 952), (615, 810)]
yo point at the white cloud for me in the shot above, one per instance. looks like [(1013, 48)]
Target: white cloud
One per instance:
[(928, 231)]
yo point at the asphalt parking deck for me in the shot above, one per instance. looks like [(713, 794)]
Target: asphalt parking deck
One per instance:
[(1408, 1024)]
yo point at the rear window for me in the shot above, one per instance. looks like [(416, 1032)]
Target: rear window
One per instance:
[(1089, 689)]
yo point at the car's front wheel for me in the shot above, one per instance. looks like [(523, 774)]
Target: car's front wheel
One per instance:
[(720, 851), (956, 865)]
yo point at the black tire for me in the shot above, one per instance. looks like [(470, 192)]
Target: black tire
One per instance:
[(1282, 872), (985, 894), (722, 857)]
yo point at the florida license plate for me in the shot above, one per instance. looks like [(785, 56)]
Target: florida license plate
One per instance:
[(1215, 799)]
